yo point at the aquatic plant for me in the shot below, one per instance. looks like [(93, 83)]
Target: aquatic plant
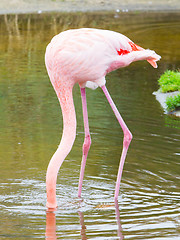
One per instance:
[(169, 81), (173, 102)]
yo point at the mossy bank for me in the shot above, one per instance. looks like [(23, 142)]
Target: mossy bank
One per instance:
[(169, 92)]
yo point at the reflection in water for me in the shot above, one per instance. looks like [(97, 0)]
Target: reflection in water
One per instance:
[(120, 235), (83, 226), (51, 224)]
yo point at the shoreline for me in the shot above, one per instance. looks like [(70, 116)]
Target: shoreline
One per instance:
[(161, 98), (45, 6)]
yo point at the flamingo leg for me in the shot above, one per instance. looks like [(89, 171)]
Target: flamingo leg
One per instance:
[(126, 141), (87, 140)]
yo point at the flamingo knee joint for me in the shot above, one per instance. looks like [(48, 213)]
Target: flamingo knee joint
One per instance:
[(87, 144), (127, 138)]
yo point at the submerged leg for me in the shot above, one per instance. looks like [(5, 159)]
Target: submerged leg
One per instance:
[(126, 141), (87, 140)]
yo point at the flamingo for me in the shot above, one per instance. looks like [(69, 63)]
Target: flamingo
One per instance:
[(85, 56)]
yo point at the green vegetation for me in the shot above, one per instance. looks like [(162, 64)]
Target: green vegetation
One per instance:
[(170, 81), (173, 103)]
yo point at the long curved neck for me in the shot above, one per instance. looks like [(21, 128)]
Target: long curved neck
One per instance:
[(69, 133)]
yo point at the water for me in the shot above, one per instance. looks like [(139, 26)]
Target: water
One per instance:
[(31, 126)]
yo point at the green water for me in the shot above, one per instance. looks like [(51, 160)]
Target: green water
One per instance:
[(31, 126)]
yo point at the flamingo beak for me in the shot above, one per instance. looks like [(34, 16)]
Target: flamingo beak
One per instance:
[(153, 61)]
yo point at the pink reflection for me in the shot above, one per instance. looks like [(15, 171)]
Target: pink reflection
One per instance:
[(51, 224), (120, 235), (83, 227)]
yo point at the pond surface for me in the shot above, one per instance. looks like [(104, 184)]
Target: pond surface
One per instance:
[(31, 127)]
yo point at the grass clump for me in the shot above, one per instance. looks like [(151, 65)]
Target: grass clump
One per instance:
[(173, 103), (169, 81)]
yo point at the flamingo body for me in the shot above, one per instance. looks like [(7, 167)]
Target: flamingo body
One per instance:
[(85, 56)]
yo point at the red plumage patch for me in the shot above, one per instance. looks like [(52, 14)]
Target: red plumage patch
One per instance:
[(134, 47), (123, 52)]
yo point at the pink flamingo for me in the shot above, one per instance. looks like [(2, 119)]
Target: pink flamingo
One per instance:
[(85, 56)]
